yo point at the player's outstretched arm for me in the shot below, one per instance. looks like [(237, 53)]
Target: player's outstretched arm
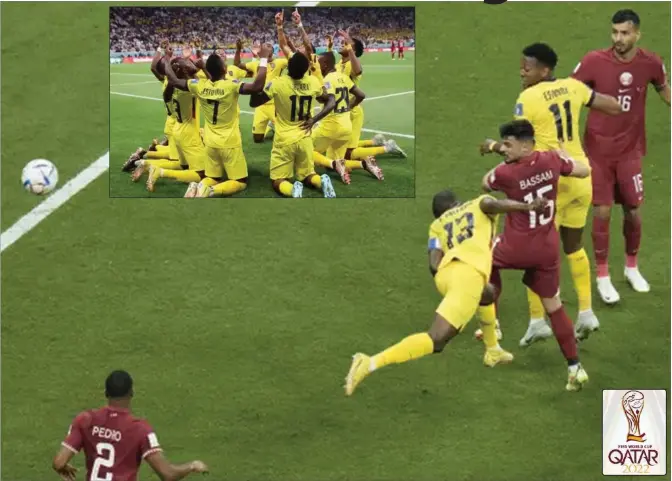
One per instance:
[(258, 84), (606, 104), (173, 472), (359, 96), (354, 61), (282, 38), (296, 16), (172, 78), (492, 206), (155, 64), (61, 464)]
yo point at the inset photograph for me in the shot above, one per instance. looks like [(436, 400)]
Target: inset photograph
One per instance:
[(262, 102)]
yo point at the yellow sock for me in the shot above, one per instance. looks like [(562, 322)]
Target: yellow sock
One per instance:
[(314, 180), (161, 148), (321, 160), (488, 317), (579, 266), (361, 153), (286, 188), (412, 347), (157, 155), (229, 187), (164, 163), (185, 176), (365, 143), (354, 164), (208, 182), (536, 307)]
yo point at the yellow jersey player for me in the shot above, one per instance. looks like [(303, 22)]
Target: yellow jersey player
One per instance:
[(460, 260), (186, 134), (164, 156), (553, 107), (358, 149), (292, 153), (223, 143), (265, 114), (332, 135)]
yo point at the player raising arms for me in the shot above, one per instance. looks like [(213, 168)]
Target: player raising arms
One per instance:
[(530, 241), (223, 143), (292, 153), (186, 134), (331, 137), (460, 259), (115, 442), (553, 106), (359, 150), (616, 145)]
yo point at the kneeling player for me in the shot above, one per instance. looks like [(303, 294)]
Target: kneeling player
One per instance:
[(223, 143), (292, 153), (460, 260), (530, 241)]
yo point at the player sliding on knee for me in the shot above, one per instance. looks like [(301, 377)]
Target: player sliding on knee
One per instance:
[(460, 260), (557, 127), (530, 241), (223, 144)]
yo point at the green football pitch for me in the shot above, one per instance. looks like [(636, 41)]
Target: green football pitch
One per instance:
[(237, 319), (137, 115)]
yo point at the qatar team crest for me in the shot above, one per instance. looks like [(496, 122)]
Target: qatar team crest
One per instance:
[(626, 79)]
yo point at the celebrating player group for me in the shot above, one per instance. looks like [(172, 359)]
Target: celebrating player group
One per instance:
[(285, 93), (549, 182)]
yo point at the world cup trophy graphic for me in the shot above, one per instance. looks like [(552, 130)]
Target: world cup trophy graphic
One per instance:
[(633, 404)]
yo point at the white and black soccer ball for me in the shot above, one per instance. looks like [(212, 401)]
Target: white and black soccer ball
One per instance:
[(39, 177)]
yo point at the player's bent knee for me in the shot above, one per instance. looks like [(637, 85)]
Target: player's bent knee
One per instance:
[(348, 154), (258, 138), (602, 211), (572, 240), (551, 304), (441, 332), (489, 295), (201, 174)]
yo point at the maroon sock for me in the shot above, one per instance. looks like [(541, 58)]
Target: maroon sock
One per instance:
[(601, 245), (632, 231), (564, 333)]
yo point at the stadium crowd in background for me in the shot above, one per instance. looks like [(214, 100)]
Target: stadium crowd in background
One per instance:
[(141, 29)]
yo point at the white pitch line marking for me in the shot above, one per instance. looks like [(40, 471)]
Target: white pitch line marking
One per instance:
[(134, 83), (394, 134), (42, 210)]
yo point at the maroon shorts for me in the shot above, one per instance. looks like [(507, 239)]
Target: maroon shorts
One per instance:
[(618, 180), (541, 265)]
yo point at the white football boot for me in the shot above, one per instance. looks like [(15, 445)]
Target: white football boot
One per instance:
[(607, 291), (537, 330), (297, 190), (586, 324), (327, 187), (636, 280)]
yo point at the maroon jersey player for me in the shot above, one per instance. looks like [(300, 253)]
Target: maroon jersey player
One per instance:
[(616, 145), (393, 47), (115, 442), (530, 242), (400, 47)]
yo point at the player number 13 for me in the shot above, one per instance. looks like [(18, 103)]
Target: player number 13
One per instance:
[(465, 224), (542, 219)]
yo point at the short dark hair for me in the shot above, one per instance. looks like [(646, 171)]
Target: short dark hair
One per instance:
[(214, 65), (119, 384), (625, 15), (358, 47), (518, 129), (331, 58), (298, 65), (542, 53), (443, 201)]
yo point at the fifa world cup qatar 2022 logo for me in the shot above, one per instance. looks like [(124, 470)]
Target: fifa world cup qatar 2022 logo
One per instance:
[(633, 404)]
